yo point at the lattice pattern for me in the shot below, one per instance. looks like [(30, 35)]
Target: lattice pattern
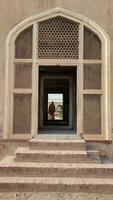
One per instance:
[(58, 38)]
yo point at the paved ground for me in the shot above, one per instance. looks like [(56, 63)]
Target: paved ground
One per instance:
[(54, 196)]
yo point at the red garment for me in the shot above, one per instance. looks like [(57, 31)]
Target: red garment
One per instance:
[(52, 110)]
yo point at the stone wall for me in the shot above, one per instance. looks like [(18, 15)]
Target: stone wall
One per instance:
[(1, 121)]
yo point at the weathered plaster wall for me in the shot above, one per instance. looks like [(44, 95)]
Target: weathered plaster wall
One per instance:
[(14, 11)]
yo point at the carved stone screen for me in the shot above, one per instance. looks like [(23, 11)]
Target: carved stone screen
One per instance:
[(92, 76), (92, 114), (92, 45), (23, 75), (58, 38), (22, 113), (23, 44)]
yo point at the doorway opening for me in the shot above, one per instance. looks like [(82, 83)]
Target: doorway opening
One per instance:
[(58, 98), (55, 106)]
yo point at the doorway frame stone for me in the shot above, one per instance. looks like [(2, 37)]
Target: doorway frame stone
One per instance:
[(67, 77)]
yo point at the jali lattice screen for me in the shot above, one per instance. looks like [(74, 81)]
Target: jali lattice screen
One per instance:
[(58, 38)]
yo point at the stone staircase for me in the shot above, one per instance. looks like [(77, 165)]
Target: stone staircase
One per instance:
[(53, 165)]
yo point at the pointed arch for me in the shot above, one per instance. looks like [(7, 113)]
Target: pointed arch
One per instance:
[(84, 22)]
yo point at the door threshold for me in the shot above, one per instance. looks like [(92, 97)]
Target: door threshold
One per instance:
[(57, 134), (56, 128), (57, 131), (61, 136)]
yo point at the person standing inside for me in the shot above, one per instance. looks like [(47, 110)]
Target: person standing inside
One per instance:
[(52, 111)]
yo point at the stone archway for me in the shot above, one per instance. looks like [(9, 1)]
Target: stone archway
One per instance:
[(91, 59)]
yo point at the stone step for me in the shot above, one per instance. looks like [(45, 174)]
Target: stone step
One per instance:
[(57, 156), (94, 155), (44, 184), (10, 168), (93, 152), (55, 144)]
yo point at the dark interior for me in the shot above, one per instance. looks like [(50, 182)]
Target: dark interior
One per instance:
[(59, 84), (56, 86)]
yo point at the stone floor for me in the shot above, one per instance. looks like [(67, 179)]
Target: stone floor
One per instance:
[(58, 134), (55, 196)]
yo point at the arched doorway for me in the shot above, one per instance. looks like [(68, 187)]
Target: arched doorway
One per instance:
[(58, 39)]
